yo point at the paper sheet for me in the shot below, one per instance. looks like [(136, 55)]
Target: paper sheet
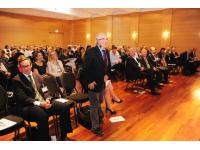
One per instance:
[(5, 123), (62, 100), (116, 119)]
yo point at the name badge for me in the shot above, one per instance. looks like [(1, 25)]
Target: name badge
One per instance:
[(44, 89)]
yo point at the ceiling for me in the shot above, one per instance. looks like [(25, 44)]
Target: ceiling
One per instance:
[(74, 13)]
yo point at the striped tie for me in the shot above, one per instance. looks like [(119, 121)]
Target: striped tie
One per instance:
[(37, 94)]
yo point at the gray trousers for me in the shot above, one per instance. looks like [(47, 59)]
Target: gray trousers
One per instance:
[(95, 98)]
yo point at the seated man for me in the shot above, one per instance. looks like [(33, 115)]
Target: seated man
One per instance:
[(149, 69), (153, 60), (135, 69), (33, 107)]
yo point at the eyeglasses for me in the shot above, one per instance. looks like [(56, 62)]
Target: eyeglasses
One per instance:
[(25, 66), (103, 39)]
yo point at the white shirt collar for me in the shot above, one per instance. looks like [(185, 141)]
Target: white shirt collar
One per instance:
[(27, 76)]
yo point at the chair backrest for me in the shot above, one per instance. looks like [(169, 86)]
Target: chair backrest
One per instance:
[(126, 72), (81, 78), (68, 68), (3, 101), (68, 81), (52, 86)]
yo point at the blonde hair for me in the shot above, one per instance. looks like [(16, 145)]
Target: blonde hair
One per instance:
[(22, 58), (49, 55)]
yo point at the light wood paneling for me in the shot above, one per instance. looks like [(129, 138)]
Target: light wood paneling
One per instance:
[(186, 29), (182, 24), (80, 29), (122, 30), (166, 26), (28, 30), (150, 26), (101, 24)]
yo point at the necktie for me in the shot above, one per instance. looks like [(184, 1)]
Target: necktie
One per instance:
[(37, 94), (148, 66), (137, 62), (105, 61)]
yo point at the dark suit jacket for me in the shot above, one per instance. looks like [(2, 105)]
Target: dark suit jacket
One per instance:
[(152, 60), (23, 90), (161, 57), (172, 57), (142, 61), (93, 68), (132, 68)]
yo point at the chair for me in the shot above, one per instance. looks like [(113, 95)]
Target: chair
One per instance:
[(55, 91), (19, 122), (131, 79), (69, 82)]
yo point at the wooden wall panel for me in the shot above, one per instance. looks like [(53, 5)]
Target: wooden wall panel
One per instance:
[(166, 26), (150, 26), (186, 29), (28, 30), (80, 29), (134, 30), (182, 24), (101, 24), (122, 30)]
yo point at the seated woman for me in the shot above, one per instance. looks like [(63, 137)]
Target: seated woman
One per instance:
[(40, 65), (110, 93), (54, 66)]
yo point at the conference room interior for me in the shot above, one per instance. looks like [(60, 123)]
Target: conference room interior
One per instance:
[(172, 114)]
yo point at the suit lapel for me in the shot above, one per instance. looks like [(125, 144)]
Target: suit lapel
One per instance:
[(25, 80), (99, 56)]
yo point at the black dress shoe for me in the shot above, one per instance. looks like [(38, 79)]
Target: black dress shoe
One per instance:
[(166, 82), (155, 93), (120, 101), (111, 111), (98, 132), (159, 87)]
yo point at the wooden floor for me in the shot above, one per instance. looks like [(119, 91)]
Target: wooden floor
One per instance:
[(173, 115)]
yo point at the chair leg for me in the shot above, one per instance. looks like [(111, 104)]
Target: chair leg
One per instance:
[(56, 126), (75, 114), (17, 135)]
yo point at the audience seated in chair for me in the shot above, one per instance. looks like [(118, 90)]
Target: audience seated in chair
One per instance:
[(135, 69), (33, 107), (54, 66)]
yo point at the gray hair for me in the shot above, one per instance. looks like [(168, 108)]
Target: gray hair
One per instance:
[(100, 35)]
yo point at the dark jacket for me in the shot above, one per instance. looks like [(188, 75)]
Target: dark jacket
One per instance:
[(23, 91), (93, 68), (132, 68)]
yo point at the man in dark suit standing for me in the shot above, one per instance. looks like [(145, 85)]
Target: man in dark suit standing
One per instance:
[(33, 107), (97, 68)]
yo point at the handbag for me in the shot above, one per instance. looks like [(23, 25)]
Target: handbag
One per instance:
[(84, 117)]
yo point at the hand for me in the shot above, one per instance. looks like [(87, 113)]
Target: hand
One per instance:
[(45, 105), (142, 68), (91, 85), (44, 76), (48, 100), (105, 78), (48, 106), (8, 74)]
